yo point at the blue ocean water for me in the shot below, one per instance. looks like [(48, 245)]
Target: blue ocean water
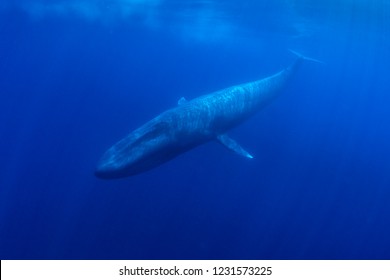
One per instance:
[(78, 75)]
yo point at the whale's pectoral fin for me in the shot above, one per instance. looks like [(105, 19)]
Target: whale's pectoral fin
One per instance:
[(182, 101), (233, 145)]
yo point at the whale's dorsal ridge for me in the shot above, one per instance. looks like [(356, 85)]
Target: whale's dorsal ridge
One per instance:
[(182, 101), (233, 145)]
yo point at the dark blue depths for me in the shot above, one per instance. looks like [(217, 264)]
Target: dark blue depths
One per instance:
[(73, 83)]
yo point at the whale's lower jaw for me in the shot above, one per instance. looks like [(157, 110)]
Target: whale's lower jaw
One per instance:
[(104, 172), (143, 163)]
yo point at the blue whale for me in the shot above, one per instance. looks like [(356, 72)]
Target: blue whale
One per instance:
[(191, 124)]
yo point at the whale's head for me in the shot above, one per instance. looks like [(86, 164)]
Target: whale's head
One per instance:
[(145, 148)]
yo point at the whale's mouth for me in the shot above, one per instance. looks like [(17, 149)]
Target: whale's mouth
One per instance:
[(116, 164), (110, 170)]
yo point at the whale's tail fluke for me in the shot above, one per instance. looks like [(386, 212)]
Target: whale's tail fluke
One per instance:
[(301, 56)]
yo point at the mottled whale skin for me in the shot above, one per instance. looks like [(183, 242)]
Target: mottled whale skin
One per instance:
[(191, 124)]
